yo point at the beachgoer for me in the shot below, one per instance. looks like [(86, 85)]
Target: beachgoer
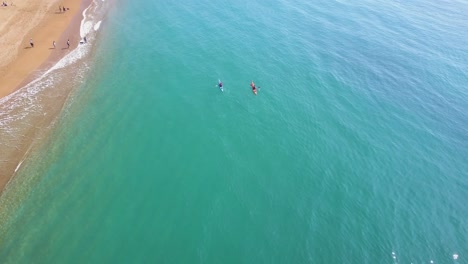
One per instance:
[(53, 43), (64, 9), (85, 39), (68, 43), (60, 8), (31, 43)]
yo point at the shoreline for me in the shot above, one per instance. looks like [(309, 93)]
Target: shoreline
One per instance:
[(46, 59), (20, 69)]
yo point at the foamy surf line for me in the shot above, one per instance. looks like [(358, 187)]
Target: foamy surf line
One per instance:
[(87, 22), (25, 97), (82, 30)]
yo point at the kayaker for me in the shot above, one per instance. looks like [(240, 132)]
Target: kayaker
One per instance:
[(252, 84)]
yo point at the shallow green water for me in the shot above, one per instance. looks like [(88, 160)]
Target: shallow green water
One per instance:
[(355, 147)]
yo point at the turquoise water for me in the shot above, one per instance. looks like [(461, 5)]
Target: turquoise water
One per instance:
[(355, 149)]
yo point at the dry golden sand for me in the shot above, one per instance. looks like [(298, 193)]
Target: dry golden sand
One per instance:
[(36, 19)]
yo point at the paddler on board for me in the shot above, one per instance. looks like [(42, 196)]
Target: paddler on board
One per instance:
[(254, 88)]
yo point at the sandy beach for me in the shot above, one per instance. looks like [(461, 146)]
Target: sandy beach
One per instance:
[(42, 21)]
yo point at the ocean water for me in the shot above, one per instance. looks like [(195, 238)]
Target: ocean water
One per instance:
[(355, 149)]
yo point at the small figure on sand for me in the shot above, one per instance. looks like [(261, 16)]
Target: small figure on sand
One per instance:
[(64, 9), (31, 43), (4, 4), (53, 43), (68, 43), (84, 40)]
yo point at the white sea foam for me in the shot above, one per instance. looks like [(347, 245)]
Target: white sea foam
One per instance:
[(96, 27), (83, 31), (87, 26), (19, 165)]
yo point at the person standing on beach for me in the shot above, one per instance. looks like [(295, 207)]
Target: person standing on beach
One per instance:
[(31, 43), (68, 43), (53, 43)]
